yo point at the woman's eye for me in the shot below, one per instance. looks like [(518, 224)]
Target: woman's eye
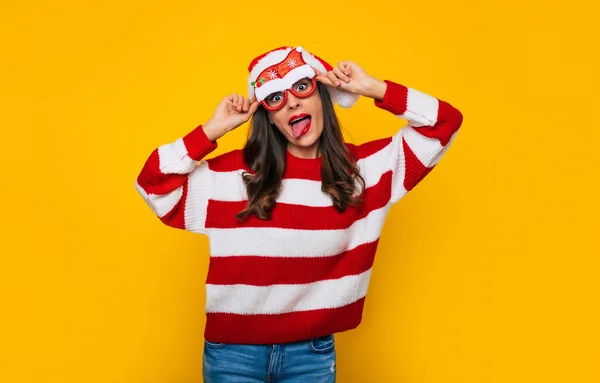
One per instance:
[(302, 86)]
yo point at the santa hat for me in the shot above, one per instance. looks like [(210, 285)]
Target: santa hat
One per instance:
[(280, 68)]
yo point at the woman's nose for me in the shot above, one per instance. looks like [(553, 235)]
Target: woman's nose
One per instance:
[(292, 101)]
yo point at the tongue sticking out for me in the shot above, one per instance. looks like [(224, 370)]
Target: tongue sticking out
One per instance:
[(301, 127)]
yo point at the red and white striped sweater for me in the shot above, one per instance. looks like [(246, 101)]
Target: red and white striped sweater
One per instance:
[(304, 273)]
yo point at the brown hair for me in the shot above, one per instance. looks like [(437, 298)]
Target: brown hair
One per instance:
[(265, 154)]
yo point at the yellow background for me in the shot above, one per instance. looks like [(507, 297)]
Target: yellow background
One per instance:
[(487, 272)]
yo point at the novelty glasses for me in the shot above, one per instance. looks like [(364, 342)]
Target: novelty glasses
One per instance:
[(301, 89)]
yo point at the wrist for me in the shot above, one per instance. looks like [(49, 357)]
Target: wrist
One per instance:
[(374, 88), (213, 131)]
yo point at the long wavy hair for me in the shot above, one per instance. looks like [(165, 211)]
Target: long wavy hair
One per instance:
[(265, 154)]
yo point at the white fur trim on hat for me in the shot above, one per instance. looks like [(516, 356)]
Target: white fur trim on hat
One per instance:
[(313, 62)]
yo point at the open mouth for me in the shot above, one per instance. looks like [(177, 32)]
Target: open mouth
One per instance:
[(300, 125)]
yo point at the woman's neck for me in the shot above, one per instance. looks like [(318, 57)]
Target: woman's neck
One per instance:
[(310, 152)]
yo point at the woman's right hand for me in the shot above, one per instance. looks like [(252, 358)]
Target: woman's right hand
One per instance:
[(232, 111)]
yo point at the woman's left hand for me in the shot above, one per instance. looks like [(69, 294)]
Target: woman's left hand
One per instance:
[(350, 77)]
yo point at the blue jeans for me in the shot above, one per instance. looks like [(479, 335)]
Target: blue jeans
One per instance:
[(310, 361)]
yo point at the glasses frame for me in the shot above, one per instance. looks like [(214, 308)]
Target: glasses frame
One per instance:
[(285, 96)]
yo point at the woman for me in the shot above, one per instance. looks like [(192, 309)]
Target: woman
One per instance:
[(294, 217)]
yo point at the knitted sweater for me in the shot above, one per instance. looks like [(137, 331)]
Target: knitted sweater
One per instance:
[(305, 272)]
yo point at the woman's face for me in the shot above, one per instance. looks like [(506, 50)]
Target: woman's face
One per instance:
[(300, 119)]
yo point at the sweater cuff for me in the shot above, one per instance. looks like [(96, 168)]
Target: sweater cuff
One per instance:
[(394, 99), (197, 144)]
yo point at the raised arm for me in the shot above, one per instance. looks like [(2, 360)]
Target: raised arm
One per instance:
[(175, 185), (415, 150), (175, 181), (418, 147)]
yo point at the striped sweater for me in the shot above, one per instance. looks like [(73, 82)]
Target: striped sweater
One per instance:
[(305, 272)]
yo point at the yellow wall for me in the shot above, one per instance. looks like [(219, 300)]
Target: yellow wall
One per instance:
[(487, 272)]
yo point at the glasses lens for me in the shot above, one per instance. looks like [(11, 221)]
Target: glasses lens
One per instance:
[(303, 87), (274, 100)]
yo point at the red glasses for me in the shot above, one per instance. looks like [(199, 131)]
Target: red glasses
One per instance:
[(301, 89)]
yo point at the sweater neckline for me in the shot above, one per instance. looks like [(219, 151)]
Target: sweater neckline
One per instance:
[(303, 163)]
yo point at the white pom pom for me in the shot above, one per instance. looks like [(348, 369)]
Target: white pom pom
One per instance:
[(332, 93), (345, 99)]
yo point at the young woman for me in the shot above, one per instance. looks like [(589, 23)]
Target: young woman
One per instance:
[(294, 217)]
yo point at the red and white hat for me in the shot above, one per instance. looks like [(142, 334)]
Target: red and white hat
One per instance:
[(280, 68)]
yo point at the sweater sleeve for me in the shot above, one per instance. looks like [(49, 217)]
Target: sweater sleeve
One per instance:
[(419, 146), (175, 181)]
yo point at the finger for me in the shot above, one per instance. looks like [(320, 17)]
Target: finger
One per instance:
[(230, 102), (318, 72), (253, 106), (325, 80), (322, 77), (344, 67), (333, 78), (233, 99), (341, 75), (246, 104), (238, 102)]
